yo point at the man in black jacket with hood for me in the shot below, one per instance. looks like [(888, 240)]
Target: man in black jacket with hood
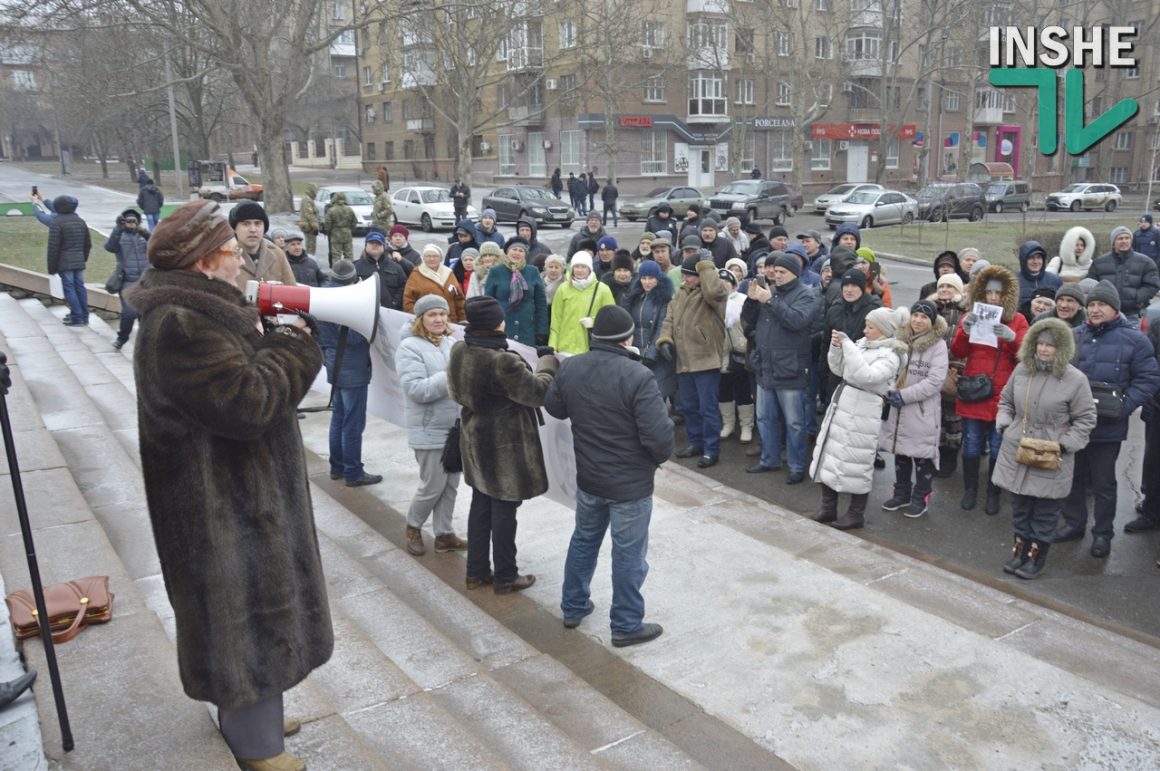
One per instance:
[(69, 244), (622, 433)]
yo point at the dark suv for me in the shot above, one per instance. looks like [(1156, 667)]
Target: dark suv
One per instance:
[(753, 199), (942, 201)]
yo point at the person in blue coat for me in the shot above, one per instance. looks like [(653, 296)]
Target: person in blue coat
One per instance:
[(1110, 349), (1146, 239), (520, 292), (128, 241), (1033, 274), (350, 379)]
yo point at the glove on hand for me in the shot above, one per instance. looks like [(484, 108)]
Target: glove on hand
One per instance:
[(666, 351), (1004, 332), (895, 399), (969, 321), (545, 350)]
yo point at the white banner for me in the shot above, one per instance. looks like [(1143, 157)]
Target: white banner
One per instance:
[(385, 400)]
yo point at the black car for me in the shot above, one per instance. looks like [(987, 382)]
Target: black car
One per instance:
[(516, 201), (753, 199), (942, 201)]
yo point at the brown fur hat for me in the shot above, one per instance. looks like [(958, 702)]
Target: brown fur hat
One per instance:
[(194, 230)]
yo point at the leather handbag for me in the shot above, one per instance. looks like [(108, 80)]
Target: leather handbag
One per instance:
[(1109, 399), (979, 388), (452, 457), (71, 607), (116, 281), (1037, 453)]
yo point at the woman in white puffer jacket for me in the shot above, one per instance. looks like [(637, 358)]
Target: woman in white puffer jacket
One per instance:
[(848, 439), (1076, 250)]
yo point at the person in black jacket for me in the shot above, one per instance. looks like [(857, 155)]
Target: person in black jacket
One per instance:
[(1134, 275), (621, 433), (593, 189), (460, 198), (129, 242), (1149, 510), (557, 183), (305, 268), (720, 248), (69, 244), (393, 271), (150, 199), (608, 196), (663, 221)]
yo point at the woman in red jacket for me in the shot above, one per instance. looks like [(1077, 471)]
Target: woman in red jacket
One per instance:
[(994, 285)]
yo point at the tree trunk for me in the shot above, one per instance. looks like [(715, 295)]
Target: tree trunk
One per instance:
[(276, 191)]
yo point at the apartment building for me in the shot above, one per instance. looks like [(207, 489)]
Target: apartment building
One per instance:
[(699, 92)]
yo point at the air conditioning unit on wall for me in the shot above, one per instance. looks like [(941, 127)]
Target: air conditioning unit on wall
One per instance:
[(517, 145), (843, 145), (484, 147), (551, 84)]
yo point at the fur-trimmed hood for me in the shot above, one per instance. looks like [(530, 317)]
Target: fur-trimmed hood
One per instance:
[(1010, 296), (1064, 345), (1067, 256), (937, 332)]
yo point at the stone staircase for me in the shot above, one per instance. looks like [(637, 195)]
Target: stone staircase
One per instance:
[(422, 676)]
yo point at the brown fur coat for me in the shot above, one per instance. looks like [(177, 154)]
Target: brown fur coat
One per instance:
[(225, 480)]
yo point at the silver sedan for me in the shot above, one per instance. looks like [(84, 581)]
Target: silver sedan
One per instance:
[(869, 208)]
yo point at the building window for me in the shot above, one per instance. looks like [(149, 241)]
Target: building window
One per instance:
[(825, 93), (865, 45), (368, 79), (570, 152), (951, 101), (429, 146), (388, 151), (370, 113), (822, 5), (743, 44), (748, 150), (708, 33), (507, 154), (781, 151), (653, 34), (568, 88), (1119, 174), (954, 57), (922, 98), (707, 94), (892, 154), (784, 94), (567, 33), (537, 161), (339, 70), (822, 48), (409, 149), (1123, 140), (654, 89), (783, 43), (386, 73), (24, 80), (820, 155), (337, 9), (501, 96), (654, 152), (346, 37), (370, 151), (388, 113), (1132, 73), (743, 91)]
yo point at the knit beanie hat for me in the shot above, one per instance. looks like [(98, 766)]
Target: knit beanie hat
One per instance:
[(1119, 231), (925, 307), (343, 272), (731, 221), (887, 320), (249, 210), (689, 264), (275, 233), (866, 253), (727, 275), (969, 250), (623, 261), (979, 265), (1147, 216), (709, 223), (952, 279), (582, 258), (739, 263), (948, 257), (433, 248), (854, 277), (1106, 292), (487, 213), (778, 230), (398, 228), (1071, 289), (470, 251), (430, 302), (650, 268), (607, 242), (484, 313), (1086, 285), (791, 263), (490, 247), (1044, 291), (647, 236), (612, 324), (194, 230)]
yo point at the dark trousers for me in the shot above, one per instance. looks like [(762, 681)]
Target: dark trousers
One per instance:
[(736, 387), (1151, 474), (254, 732), (492, 522), (1035, 518), (610, 207), (1095, 473), (128, 316), (923, 469)]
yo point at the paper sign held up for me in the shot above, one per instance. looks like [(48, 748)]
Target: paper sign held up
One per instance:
[(983, 332)]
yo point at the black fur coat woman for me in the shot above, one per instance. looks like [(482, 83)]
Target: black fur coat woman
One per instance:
[(225, 480)]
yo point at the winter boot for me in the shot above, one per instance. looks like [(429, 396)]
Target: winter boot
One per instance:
[(1036, 560), (753, 450), (855, 516), (970, 483), (994, 493), (829, 510), (948, 461), (902, 470), (1018, 555), (728, 418), (745, 419)]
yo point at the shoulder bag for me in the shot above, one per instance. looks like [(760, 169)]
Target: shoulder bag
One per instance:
[(71, 607), (979, 388), (1109, 399), (116, 281), (1037, 453), (452, 457)]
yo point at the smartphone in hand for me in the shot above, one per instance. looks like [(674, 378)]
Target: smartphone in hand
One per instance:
[(761, 282)]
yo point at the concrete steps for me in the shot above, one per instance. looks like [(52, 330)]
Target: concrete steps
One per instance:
[(422, 677)]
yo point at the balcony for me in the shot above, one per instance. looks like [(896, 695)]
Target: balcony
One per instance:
[(421, 125), (709, 58), (989, 115), (525, 58), (863, 67), (707, 6), (526, 115)]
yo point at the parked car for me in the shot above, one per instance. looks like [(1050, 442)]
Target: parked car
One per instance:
[(755, 199), (873, 207), (516, 201), (1085, 195), (217, 181), (1008, 195), (942, 201), (356, 198), (427, 206), (643, 207), (842, 193)]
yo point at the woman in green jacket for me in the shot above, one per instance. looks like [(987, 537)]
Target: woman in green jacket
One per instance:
[(575, 305)]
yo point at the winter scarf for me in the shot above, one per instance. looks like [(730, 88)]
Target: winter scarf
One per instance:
[(519, 284)]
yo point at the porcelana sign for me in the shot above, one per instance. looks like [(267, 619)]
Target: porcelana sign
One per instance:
[(1022, 58)]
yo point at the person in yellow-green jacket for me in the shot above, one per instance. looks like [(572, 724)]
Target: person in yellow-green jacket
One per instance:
[(575, 305)]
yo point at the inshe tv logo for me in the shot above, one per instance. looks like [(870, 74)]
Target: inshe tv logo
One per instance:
[(1022, 58)]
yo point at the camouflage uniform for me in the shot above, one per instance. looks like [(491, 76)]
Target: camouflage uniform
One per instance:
[(382, 215), (308, 219), (340, 224)]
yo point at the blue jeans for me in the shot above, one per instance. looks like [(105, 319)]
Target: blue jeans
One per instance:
[(698, 395), (772, 406), (629, 520), (75, 294), (610, 207), (975, 432), (347, 422), (152, 220)]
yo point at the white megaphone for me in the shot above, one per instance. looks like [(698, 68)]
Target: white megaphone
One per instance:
[(355, 306)]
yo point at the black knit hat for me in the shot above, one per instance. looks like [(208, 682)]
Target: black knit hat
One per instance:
[(854, 277), (484, 313), (343, 272), (612, 324), (925, 307), (249, 210), (1071, 289), (1105, 292), (790, 262), (1044, 291)]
